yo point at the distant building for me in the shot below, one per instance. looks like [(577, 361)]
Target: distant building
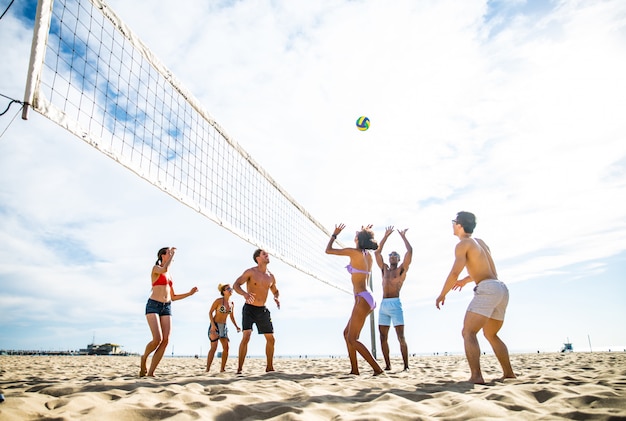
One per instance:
[(103, 349)]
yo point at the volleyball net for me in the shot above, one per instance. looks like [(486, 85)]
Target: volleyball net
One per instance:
[(90, 74)]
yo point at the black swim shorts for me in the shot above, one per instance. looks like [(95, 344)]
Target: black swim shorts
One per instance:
[(259, 315)]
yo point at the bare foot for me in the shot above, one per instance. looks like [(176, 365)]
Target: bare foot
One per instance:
[(477, 380), (268, 369), (142, 368), (387, 368), (352, 373), (378, 373), (501, 379)]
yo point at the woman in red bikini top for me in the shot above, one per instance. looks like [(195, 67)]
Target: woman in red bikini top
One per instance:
[(159, 310), (360, 269)]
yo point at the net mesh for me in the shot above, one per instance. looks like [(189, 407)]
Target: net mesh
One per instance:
[(95, 78)]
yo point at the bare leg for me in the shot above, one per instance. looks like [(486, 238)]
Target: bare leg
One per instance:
[(166, 327), (351, 333), (354, 367), (269, 351), (472, 324), (157, 336), (209, 358), (490, 330), (384, 344), (224, 342), (243, 349), (404, 350)]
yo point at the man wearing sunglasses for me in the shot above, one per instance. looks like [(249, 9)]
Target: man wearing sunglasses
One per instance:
[(491, 296), (390, 311)]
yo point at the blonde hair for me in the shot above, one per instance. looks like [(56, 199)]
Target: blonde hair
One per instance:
[(220, 288)]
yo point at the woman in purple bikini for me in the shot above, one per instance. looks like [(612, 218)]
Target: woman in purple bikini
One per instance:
[(360, 268)]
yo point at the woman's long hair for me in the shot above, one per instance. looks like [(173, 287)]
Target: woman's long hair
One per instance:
[(366, 239), (160, 254)]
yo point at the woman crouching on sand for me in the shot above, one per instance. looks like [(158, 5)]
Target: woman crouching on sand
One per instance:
[(221, 309), (159, 310), (360, 268)]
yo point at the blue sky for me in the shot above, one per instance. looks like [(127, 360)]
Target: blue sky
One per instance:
[(512, 110)]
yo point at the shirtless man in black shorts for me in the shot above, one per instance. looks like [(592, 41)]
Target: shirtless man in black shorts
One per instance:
[(259, 281)]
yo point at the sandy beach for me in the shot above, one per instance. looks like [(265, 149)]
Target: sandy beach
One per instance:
[(577, 386)]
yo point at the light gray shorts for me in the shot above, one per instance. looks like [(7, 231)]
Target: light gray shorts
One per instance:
[(490, 299)]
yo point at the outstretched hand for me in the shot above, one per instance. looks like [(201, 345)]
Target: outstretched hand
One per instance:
[(338, 229)]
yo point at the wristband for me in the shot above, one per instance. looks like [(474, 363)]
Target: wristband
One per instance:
[(334, 236)]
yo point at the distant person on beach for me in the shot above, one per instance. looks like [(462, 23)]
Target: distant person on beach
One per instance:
[(360, 269), (221, 309), (159, 310), (390, 311), (491, 296), (259, 281)]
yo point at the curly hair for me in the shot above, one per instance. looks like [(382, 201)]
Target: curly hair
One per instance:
[(366, 239)]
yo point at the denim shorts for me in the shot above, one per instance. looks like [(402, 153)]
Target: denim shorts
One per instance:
[(162, 309)]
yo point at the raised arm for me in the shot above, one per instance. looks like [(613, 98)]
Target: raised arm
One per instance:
[(381, 244), (408, 257), (165, 264), (329, 247)]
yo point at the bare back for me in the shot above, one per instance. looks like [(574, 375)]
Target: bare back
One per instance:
[(361, 263), (479, 264)]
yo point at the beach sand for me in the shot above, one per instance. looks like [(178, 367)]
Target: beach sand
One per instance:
[(576, 386)]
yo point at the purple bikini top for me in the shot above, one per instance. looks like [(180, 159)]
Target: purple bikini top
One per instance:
[(355, 270)]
